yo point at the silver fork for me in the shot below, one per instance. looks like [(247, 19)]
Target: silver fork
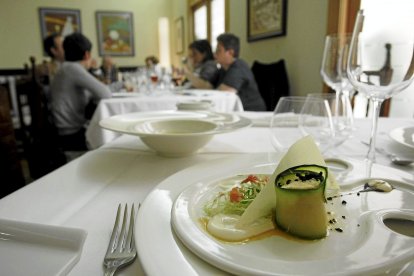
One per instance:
[(121, 249)]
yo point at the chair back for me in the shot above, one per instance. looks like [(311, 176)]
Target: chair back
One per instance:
[(40, 136), (11, 173), (272, 81)]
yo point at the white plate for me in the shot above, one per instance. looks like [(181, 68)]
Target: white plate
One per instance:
[(164, 250), (404, 136), (36, 249), (127, 123)]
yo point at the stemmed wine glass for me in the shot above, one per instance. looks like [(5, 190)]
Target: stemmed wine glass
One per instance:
[(331, 61), (381, 62), (333, 69)]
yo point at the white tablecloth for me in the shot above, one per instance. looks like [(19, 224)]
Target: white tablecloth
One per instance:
[(158, 100), (84, 193)]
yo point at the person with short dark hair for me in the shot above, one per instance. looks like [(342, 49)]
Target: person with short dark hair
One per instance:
[(72, 90), (53, 46), (151, 61), (235, 75), (201, 68), (109, 70)]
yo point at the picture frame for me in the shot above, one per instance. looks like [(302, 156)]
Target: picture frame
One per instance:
[(115, 33), (179, 33), (57, 20), (266, 19)]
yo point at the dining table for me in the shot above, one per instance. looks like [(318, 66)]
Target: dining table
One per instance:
[(85, 193), (158, 99)]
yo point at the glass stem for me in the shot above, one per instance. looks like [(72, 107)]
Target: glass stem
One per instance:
[(347, 105), (376, 105)]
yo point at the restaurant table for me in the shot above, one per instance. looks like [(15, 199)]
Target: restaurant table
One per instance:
[(85, 193), (122, 103)]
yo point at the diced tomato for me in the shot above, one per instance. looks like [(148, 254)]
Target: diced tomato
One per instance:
[(235, 195), (251, 178)]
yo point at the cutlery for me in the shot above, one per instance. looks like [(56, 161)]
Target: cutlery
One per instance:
[(394, 158), (121, 249)]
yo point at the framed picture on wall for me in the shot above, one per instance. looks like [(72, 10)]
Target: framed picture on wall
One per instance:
[(266, 19), (179, 34), (61, 21), (115, 33)]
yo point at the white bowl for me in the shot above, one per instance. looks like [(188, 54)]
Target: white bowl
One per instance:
[(176, 137), (173, 132)]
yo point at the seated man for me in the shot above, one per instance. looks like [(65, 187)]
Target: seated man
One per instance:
[(109, 70), (235, 75), (72, 90), (53, 46)]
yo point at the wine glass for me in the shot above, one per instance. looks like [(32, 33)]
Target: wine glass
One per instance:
[(331, 61), (316, 119), (297, 116), (284, 125), (381, 62), (333, 69)]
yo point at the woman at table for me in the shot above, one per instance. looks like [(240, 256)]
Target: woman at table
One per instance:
[(201, 68), (72, 91)]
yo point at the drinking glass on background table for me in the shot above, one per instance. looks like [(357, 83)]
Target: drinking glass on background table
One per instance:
[(381, 61)]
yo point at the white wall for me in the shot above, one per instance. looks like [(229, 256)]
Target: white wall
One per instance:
[(20, 28), (301, 48), (402, 104)]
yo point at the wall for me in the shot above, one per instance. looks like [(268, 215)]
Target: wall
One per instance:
[(20, 27), (301, 48), (402, 104), (179, 9)]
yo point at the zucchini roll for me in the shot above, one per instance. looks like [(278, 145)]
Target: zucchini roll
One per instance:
[(300, 201)]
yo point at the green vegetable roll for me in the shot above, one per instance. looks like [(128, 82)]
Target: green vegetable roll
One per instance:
[(300, 201)]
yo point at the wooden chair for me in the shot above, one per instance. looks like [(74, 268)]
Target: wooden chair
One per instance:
[(40, 135), (11, 174), (272, 81)]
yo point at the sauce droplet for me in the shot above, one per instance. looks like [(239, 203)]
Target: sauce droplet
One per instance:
[(378, 185)]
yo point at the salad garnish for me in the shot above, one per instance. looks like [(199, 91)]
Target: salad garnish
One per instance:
[(236, 200)]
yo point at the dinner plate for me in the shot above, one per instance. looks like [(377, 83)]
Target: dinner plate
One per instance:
[(165, 249), (131, 123), (403, 136), (36, 249)]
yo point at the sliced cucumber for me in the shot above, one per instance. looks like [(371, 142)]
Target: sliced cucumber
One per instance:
[(300, 201)]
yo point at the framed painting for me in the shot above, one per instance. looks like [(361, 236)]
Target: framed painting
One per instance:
[(266, 19), (115, 33), (179, 34), (61, 21)]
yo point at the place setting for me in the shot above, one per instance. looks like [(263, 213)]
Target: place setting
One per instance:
[(351, 213)]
